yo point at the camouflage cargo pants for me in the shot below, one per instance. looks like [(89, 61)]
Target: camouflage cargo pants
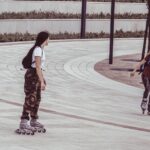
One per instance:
[(32, 89)]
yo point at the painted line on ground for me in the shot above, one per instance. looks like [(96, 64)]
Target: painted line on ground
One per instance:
[(82, 118)]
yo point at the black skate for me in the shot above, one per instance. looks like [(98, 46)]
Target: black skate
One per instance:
[(144, 106), (37, 126)]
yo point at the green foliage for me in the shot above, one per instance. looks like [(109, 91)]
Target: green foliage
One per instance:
[(54, 15), (30, 37)]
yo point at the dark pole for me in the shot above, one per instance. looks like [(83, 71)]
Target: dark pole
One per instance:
[(112, 32), (145, 37), (83, 19), (149, 30), (146, 31)]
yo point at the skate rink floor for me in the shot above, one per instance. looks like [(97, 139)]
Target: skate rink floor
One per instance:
[(81, 109)]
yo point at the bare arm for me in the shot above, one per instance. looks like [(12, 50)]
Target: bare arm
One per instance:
[(139, 64), (39, 71), (137, 67)]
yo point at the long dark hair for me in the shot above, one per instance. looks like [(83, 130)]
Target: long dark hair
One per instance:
[(41, 38)]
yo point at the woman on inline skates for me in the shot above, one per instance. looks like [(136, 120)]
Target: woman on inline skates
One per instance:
[(34, 83)]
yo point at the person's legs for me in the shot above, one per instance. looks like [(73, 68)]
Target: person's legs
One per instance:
[(146, 92), (149, 100), (30, 94), (148, 106), (32, 99), (34, 115), (34, 112)]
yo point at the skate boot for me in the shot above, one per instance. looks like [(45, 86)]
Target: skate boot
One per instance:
[(144, 105), (38, 126), (24, 128), (148, 113)]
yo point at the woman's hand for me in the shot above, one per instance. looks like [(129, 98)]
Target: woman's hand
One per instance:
[(43, 85), (39, 72), (44, 81), (132, 74)]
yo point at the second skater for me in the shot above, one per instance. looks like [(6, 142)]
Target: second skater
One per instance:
[(145, 75)]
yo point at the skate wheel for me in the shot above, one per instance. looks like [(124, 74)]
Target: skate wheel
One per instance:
[(32, 133), (35, 130), (39, 131), (18, 131), (23, 132), (44, 130), (28, 133)]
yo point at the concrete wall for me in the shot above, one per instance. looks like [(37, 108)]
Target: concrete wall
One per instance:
[(70, 7), (68, 25)]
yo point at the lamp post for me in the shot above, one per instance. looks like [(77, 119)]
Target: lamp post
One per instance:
[(112, 32), (148, 3), (147, 28), (83, 19), (145, 37)]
